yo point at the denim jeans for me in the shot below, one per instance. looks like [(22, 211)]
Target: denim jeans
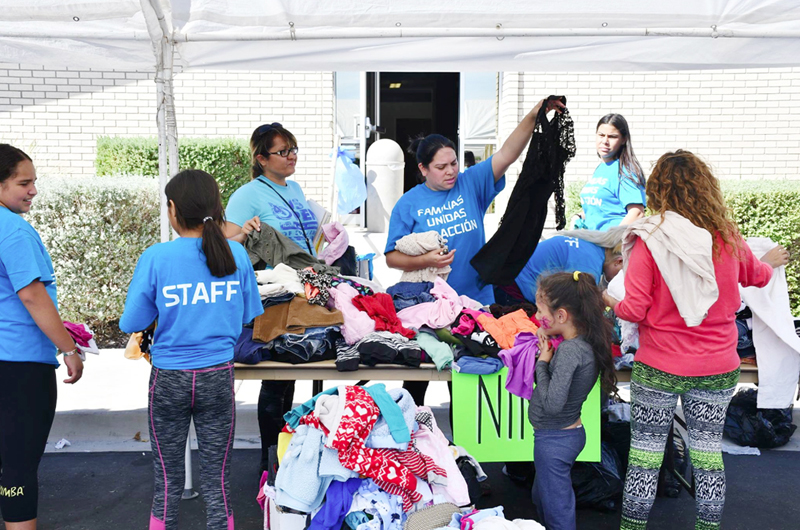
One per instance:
[(554, 453), (407, 294)]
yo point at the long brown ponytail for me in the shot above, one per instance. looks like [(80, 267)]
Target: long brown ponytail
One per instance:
[(195, 195)]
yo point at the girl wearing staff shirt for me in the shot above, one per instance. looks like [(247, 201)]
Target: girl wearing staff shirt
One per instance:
[(615, 193), (200, 288), (30, 331), (454, 204)]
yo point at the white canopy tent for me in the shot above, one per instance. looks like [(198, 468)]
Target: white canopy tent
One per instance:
[(386, 35), (391, 35)]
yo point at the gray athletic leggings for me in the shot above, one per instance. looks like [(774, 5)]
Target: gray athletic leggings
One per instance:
[(177, 396)]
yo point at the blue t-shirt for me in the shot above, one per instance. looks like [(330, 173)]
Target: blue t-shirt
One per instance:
[(262, 197), (457, 214), (560, 254), (23, 260), (200, 316), (606, 196)]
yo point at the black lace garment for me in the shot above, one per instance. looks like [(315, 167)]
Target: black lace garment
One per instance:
[(551, 148)]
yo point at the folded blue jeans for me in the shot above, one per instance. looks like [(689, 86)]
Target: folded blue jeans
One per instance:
[(275, 300), (407, 294), (554, 453), (315, 341)]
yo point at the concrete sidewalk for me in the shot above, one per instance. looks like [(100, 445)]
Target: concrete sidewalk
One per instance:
[(107, 409)]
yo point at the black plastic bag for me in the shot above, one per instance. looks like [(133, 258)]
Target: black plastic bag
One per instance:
[(471, 478), (668, 484), (746, 424), (598, 485), (618, 435)]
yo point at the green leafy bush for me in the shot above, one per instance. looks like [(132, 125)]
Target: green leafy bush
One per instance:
[(227, 159), (761, 209), (95, 229)]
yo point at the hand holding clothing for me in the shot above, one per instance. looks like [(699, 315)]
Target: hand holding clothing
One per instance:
[(609, 300), (251, 224), (776, 257), (545, 348), (435, 258)]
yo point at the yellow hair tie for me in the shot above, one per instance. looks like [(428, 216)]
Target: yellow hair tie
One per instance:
[(576, 275)]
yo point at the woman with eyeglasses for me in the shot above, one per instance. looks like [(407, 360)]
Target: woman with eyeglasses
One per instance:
[(271, 198)]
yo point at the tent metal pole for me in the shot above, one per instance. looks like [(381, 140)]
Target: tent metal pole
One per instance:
[(161, 120), (395, 33), (167, 124), (171, 118)]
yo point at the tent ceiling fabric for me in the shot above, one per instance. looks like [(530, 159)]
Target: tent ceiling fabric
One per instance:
[(413, 35)]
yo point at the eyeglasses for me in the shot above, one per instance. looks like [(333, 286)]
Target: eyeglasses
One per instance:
[(268, 127), (283, 153)]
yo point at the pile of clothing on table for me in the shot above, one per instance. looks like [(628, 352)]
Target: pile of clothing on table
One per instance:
[(366, 457), (312, 316), (301, 321), (456, 331), (313, 312)]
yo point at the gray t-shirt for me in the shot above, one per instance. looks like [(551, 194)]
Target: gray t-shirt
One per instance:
[(562, 385)]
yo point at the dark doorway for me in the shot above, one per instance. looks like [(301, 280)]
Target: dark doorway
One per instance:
[(413, 104)]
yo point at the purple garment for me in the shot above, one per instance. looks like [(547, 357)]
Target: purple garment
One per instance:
[(339, 241), (521, 363), (338, 500)]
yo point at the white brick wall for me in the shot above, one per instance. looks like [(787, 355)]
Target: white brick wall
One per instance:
[(57, 115), (741, 121)]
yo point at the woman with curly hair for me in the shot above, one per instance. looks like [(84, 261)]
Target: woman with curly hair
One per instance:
[(683, 268)]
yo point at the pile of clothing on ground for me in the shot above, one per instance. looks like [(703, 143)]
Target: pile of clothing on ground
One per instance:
[(368, 457)]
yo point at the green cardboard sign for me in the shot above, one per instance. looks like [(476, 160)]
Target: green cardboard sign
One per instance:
[(492, 424)]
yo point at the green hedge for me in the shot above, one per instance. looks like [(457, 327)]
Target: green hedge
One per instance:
[(95, 229), (227, 159), (766, 208)]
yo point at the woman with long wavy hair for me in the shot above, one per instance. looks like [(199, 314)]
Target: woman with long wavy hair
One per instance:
[(687, 334)]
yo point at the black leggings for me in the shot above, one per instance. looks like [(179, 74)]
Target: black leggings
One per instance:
[(274, 401), (417, 389), (27, 408)]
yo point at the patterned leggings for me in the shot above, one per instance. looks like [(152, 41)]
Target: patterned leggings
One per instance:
[(176, 397), (654, 396)]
